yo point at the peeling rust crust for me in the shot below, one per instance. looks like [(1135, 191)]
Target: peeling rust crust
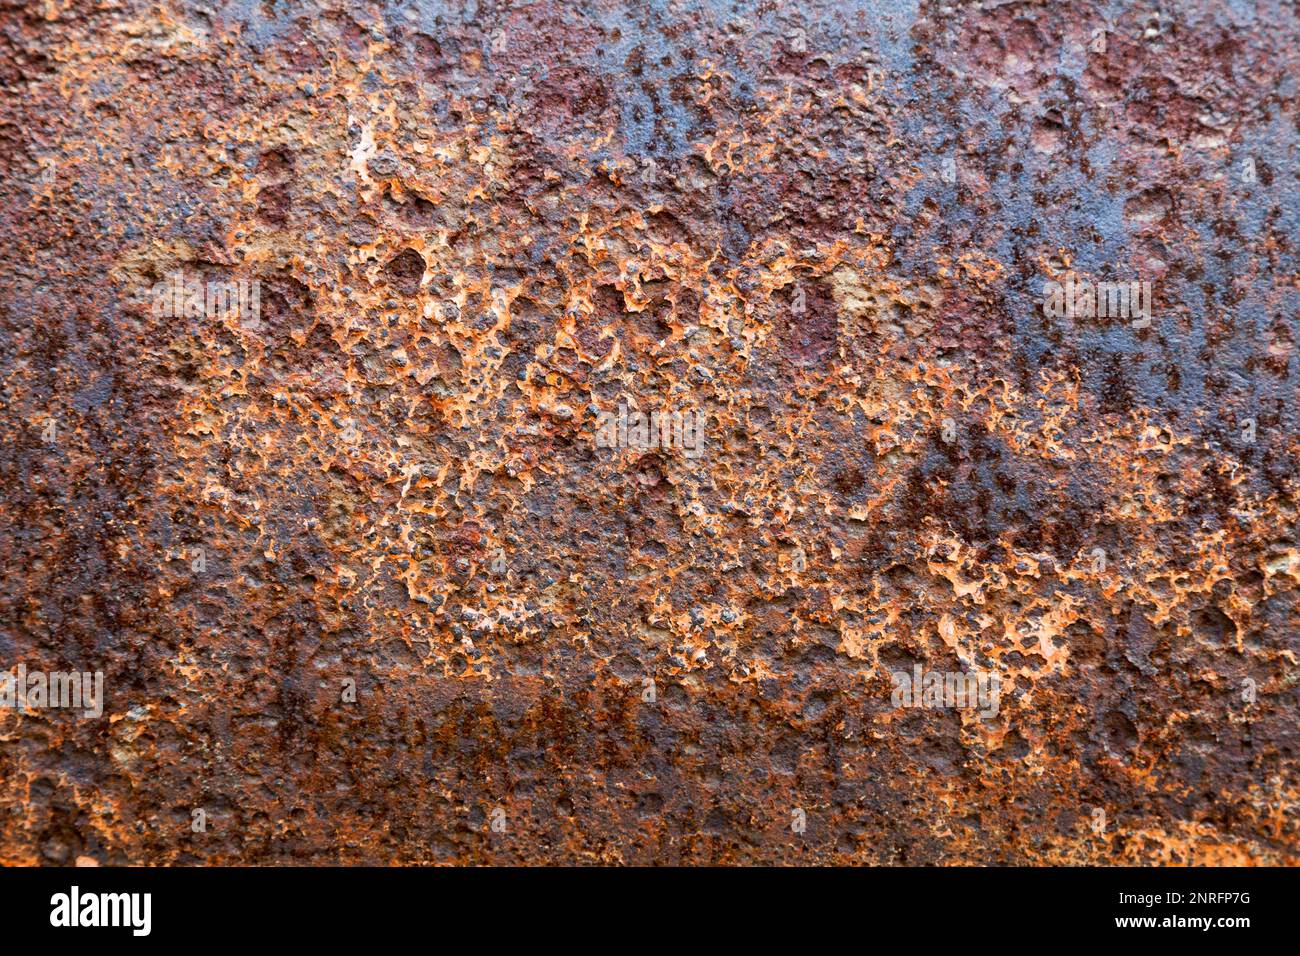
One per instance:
[(365, 583)]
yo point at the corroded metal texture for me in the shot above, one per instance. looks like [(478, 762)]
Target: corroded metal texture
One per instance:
[(365, 582)]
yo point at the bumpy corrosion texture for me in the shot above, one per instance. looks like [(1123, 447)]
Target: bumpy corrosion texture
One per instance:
[(365, 587)]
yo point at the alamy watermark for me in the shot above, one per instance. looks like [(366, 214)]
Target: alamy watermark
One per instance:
[(956, 689), (639, 431), (179, 296), (75, 908), (1084, 299), (26, 690)]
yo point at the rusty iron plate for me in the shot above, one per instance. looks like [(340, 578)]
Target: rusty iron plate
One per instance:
[(657, 433)]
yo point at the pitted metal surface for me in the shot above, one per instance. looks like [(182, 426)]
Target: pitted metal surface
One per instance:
[(970, 333)]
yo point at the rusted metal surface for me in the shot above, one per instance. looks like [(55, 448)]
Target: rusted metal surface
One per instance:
[(824, 227)]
